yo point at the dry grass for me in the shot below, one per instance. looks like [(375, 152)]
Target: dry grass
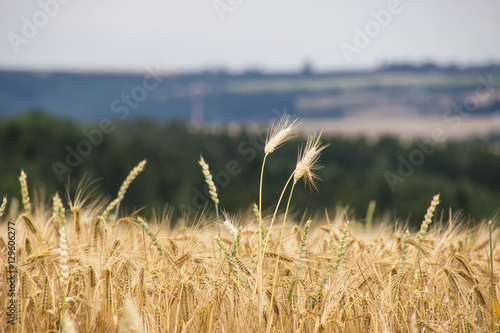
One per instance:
[(116, 272)]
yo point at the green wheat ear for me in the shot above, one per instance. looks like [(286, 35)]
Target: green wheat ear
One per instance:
[(340, 255), (423, 229), (369, 214), (230, 257), (4, 205), (302, 253), (123, 189), (24, 192), (404, 254), (212, 189), (342, 246), (150, 233)]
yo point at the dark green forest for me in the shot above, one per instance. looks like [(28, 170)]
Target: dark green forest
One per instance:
[(57, 154)]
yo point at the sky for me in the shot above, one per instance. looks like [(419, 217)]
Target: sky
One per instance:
[(237, 35)]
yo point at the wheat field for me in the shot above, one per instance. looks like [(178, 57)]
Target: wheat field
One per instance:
[(83, 267)]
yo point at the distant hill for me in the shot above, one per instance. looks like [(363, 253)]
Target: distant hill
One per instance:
[(249, 97)]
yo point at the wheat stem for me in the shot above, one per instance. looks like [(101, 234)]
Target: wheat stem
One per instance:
[(261, 226), (266, 241), (279, 246)]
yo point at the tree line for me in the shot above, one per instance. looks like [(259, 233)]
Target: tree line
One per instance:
[(58, 155)]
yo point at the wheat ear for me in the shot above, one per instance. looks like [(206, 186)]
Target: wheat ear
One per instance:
[(148, 231), (404, 254), (24, 192), (208, 178), (4, 205), (123, 189), (231, 228), (211, 188), (423, 229), (283, 131), (308, 161)]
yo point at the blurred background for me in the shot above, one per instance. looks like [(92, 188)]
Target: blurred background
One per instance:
[(407, 94)]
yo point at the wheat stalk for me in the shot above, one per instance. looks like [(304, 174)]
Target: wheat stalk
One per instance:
[(281, 132), (428, 218), (307, 161)]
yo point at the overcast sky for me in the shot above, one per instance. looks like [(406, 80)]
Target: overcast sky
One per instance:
[(240, 34)]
